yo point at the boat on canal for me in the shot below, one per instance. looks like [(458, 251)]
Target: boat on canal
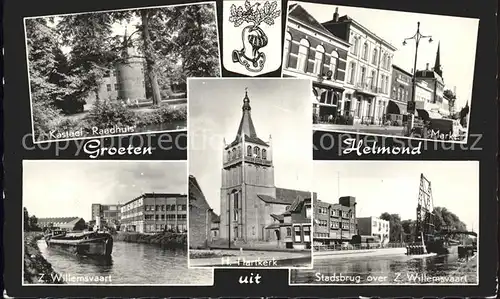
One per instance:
[(89, 243)]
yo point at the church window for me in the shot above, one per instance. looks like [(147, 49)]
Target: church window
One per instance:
[(264, 154), (236, 200), (249, 151), (256, 151)]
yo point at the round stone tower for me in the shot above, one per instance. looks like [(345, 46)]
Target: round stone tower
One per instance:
[(130, 76)]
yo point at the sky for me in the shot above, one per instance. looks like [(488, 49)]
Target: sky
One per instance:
[(68, 188), (458, 38), (388, 186), (280, 107)]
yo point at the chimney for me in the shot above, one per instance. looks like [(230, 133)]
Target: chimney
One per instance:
[(427, 66), (336, 15)]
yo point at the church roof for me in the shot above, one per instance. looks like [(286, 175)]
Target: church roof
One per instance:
[(285, 196), (246, 125)]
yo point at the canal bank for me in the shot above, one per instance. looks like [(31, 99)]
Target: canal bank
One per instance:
[(36, 268), (359, 253), (164, 239)]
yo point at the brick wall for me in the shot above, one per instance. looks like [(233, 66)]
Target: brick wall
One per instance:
[(200, 217)]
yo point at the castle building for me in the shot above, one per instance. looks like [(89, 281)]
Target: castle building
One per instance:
[(250, 201), (335, 223), (125, 80), (155, 212), (312, 52), (369, 69)]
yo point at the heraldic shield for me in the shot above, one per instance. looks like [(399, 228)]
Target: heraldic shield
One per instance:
[(252, 36)]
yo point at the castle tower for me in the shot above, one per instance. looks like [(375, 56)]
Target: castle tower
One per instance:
[(130, 75), (247, 177)]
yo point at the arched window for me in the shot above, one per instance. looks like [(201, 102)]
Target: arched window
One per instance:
[(365, 51), (323, 97), (303, 55), (264, 153), (249, 151), (384, 60), (234, 154), (256, 151), (318, 59), (388, 63), (356, 45), (362, 76), (286, 51), (229, 155), (333, 64), (374, 56), (239, 151), (336, 98), (352, 72)]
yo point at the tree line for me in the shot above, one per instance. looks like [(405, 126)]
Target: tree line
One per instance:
[(404, 230), (173, 42)]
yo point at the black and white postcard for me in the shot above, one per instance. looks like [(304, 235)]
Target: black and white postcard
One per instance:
[(382, 72), (119, 72), (250, 166), (106, 223), (393, 223)]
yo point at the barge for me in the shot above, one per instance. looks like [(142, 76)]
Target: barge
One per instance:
[(88, 243)]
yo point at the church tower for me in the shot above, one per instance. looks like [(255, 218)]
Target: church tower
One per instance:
[(437, 63), (247, 173)]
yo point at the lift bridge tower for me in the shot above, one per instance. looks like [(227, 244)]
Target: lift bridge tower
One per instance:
[(425, 218)]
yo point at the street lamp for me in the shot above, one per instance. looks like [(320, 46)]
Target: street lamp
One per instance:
[(417, 37)]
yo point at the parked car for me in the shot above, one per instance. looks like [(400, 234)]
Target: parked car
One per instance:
[(439, 129)]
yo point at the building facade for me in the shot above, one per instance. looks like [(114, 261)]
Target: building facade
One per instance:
[(248, 193), (125, 80), (434, 79), (335, 223), (108, 214), (424, 101), (401, 90), (369, 69), (312, 52), (155, 212), (203, 224), (374, 227), (63, 223)]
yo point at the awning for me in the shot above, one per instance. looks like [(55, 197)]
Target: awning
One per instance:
[(273, 226), (395, 107), (426, 114), (317, 85)]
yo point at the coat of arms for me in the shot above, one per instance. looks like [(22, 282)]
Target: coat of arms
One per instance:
[(257, 26)]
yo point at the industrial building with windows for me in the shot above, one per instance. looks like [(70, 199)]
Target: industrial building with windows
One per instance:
[(155, 212), (335, 223), (108, 215)]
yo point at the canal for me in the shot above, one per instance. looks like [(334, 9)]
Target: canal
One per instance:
[(392, 269), (130, 263)]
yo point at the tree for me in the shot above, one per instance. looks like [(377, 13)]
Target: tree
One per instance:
[(33, 222), (26, 220), (395, 226), (451, 96), (446, 220)]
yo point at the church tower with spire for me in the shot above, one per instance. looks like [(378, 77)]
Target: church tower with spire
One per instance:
[(247, 177), (437, 64)]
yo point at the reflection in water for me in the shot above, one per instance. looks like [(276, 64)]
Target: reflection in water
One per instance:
[(437, 269), (130, 263)]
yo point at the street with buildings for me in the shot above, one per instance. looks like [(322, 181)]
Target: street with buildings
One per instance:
[(358, 88)]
